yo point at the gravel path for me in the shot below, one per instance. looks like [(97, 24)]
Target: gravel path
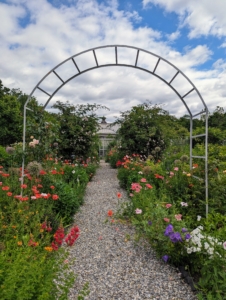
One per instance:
[(108, 258)]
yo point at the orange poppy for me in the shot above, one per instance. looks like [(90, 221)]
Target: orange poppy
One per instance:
[(110, 213)]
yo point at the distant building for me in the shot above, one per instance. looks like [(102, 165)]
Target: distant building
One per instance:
[(106, 133)]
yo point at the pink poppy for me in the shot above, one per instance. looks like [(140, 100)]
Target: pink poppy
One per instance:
[(149, 186), (143, 180), (168, 205), (178, 217)]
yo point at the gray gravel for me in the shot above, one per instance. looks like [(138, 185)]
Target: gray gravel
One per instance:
[(108, 258)]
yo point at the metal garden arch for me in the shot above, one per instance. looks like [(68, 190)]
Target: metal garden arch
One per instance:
[(135, 55)]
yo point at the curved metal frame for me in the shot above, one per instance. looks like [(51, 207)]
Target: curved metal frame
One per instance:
[(135, 65)]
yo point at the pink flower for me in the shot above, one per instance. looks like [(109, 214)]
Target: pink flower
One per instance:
[(224, 245), (166, 220), (184, 204), (168, 205), (0, 183), (171, 173), (138, 211), (143, 180), (131, 194), (33, 197), (178, 217), (136, 186), (35, 141), (149, 186), (176, 169)]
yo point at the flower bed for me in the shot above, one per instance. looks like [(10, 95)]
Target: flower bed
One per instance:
[(168, 208), (33, 219)]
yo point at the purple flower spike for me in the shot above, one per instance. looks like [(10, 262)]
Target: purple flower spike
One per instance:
[(149, 222), (165, 258)]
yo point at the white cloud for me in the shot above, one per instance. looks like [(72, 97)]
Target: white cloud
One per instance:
[(173, 36), (223, 45), (203, 17), (58, 32)]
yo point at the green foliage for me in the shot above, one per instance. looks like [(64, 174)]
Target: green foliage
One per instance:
[(146, 129), (10, 120), (3, 154), (29, 273), (84, 292), (78, 129), (215, 135)]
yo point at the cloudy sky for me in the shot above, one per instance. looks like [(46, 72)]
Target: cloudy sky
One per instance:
[(37, 35)]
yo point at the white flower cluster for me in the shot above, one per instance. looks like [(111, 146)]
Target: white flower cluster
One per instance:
[(200, 242)]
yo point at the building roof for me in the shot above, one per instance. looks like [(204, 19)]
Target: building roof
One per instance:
[(107, 128)]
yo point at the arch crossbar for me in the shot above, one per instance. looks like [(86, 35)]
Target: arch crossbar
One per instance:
[(137, 63)]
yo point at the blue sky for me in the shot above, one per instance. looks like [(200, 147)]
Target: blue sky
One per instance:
[(35, 36)]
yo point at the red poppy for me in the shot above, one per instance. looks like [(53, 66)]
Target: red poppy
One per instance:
[(9, 194), (5, 175), (54, 246), (119, 195), (23, 198), (55, 197), (159, 176), (54, 172), (23, 186), (42, 172), (5, 188), (38, 196), (52, 187), (29, 177), (110, 213)]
